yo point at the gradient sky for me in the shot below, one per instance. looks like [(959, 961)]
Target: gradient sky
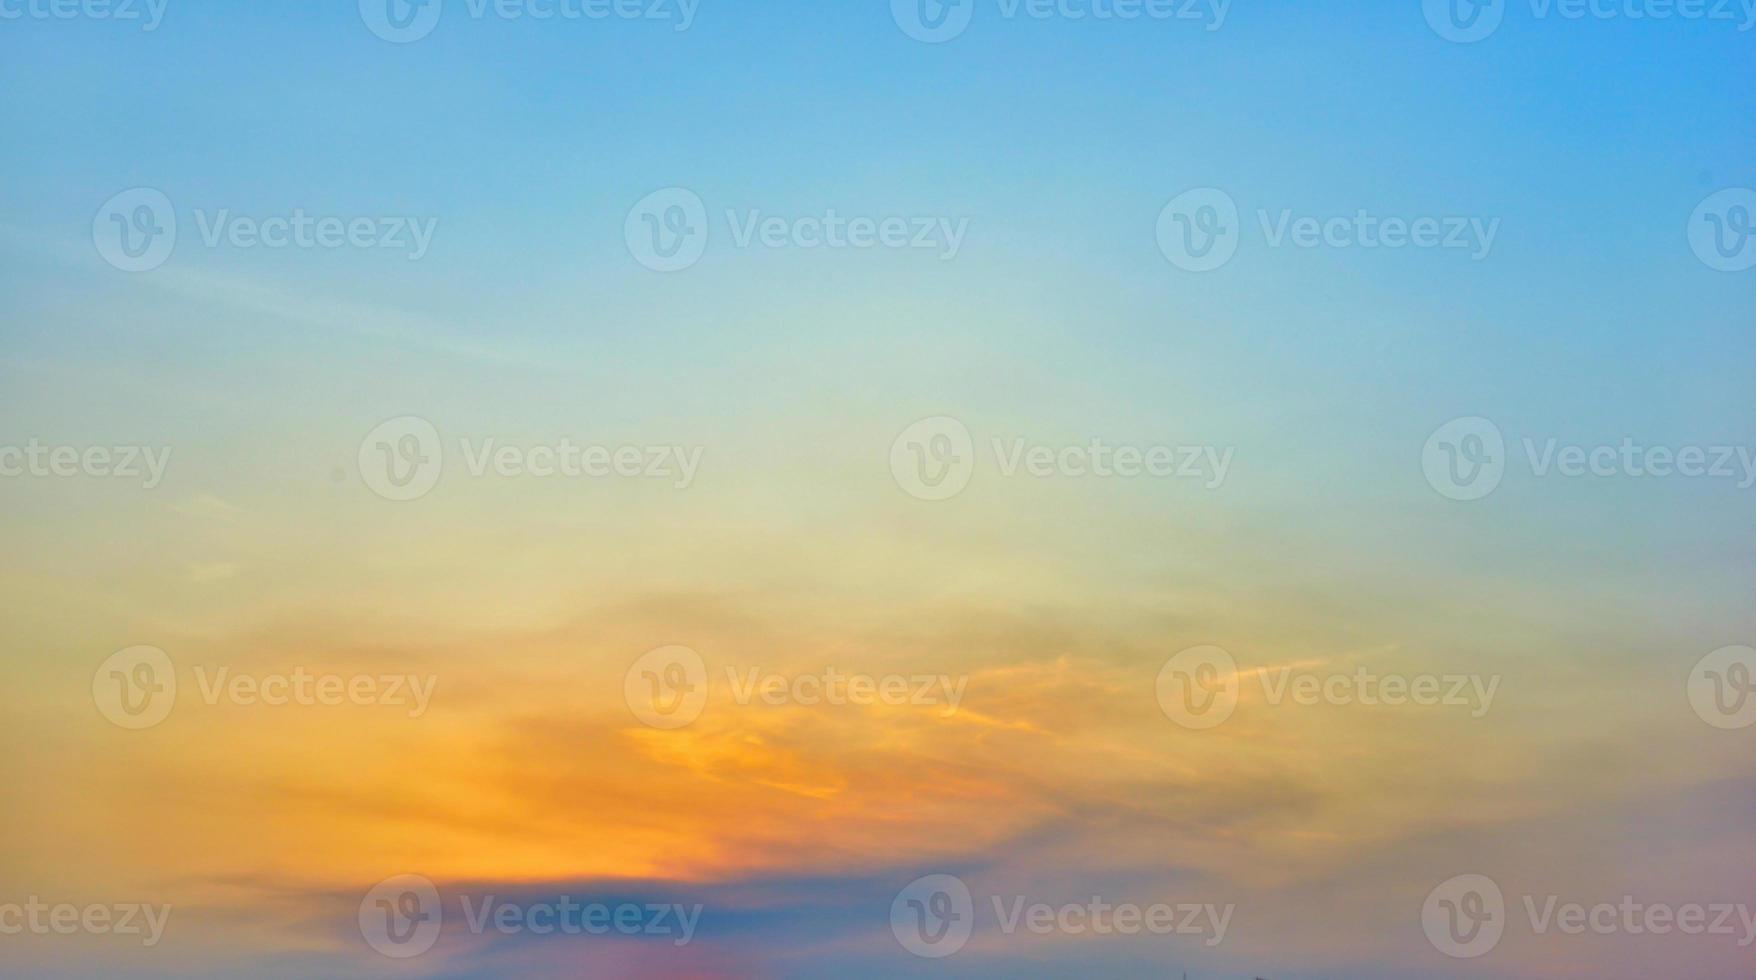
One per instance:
[(1059, 321)]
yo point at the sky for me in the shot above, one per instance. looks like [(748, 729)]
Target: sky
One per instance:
[(849, 482)]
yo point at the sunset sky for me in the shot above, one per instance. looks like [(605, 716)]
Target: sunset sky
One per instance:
[(791, 375)]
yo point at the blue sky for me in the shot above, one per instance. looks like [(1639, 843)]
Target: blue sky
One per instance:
[(1586, 144)]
